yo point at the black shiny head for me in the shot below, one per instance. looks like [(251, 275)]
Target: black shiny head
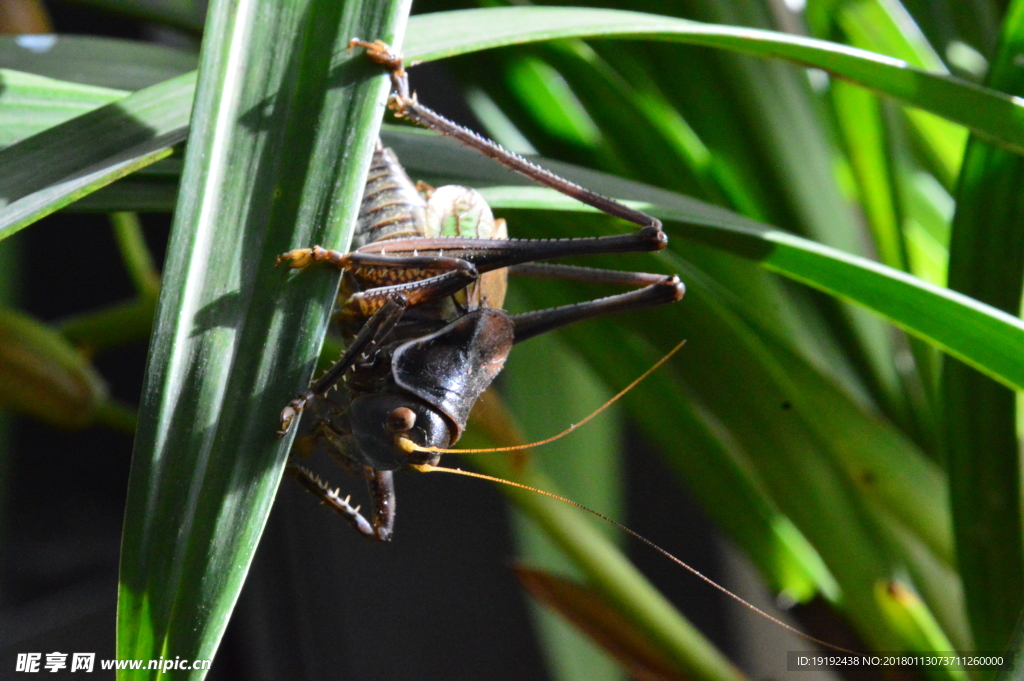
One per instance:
[(378, 421)]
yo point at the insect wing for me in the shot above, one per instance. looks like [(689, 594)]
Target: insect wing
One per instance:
[(451, 368), (460, 211)]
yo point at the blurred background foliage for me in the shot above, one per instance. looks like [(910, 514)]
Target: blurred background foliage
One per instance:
[(870, 480)]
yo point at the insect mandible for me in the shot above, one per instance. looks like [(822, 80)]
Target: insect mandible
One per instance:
[(419, 308)]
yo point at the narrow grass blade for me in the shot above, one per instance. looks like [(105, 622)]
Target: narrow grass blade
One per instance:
[(31, 103), (982, 451), (135, 253), (91, 60), (884, 27), (153, 189), (540, 379), (995, 115), (285, 125), (45, 172), (860, 121)]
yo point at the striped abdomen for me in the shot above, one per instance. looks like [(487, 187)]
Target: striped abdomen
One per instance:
[(392, 207)]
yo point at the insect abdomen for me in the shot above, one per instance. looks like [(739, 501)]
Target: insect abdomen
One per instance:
[(392, 207)]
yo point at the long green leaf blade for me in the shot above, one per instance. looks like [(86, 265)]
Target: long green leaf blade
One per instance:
[(546, 376), (30, 104), (91, 60), (982, 451), (277, 160), (995, 115), (44, 173)]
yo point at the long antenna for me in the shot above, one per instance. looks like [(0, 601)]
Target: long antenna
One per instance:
[(409, 446), (427, 468)]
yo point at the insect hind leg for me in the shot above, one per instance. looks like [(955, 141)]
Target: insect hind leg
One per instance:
[(668, 289), (590, 275), (406, 105)]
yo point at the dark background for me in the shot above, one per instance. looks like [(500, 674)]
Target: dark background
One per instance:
[(439, 602)]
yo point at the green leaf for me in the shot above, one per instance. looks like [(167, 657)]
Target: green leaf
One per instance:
[(153, 189), (31, 104), (983, 454), (545, 377), (860, 121), (235, 339), (995, 115), (91, 60), (53, 168), (886, 28)]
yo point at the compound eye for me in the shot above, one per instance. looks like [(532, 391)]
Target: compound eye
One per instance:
[(400, 420)]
